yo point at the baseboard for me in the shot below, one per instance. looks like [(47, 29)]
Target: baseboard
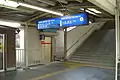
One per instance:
[(31, 65), (11, 69), (42, 65)]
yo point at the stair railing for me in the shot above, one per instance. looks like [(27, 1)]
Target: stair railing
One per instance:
[(79, 38)]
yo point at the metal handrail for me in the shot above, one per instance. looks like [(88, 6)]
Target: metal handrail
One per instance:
[(79, 38)]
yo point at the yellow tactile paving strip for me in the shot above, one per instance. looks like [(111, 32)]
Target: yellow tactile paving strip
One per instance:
[(73, 64), (70, 65)]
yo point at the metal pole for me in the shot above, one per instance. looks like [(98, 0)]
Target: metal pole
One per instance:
[(65, 43), (117, 28), (26, 45)]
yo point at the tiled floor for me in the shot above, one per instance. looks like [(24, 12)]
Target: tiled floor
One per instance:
[(61, 71), (84, 73)]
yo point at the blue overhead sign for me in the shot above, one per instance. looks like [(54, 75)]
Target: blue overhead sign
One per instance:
[(74, 20), (65, 21), (51, 23)]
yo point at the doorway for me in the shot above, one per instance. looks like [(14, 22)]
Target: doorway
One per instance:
[(47, 49), (1, 52)]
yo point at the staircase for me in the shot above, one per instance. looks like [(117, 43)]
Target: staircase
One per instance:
[(99, 48)]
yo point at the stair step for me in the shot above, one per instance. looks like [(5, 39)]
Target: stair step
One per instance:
[(93, 56), (108, 55), (92, 60), (100, 64), (86, 57)]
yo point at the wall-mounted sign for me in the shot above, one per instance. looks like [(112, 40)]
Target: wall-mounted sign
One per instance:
[(65, 21)]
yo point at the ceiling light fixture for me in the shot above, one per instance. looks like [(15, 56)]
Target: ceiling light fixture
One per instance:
[(90, 12), (10, 23), (16, 4), (62, 1), (90, 22), (41, 9), (70, 28), (9, 3), (94, 10)]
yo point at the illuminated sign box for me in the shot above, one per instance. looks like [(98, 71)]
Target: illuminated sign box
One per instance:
[(74, 20), (65, 21), (51, 23)]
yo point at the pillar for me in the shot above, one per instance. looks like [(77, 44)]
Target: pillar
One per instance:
[(26, 45), (117, 28)]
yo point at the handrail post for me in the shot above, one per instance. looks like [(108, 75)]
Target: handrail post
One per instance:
[(65, 43)]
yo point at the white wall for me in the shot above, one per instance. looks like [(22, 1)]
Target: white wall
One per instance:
[(34, 47), (80, 34), (35, 54), (107, 5)]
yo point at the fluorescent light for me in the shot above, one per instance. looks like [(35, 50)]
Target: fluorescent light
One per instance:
[(94, 10), (2, 2), (70, 28), (90, 22), (11, 24), (90, 12), (62, 1), (82, 9), (9, 3), (12, 3), (15, 4), (41, 9)]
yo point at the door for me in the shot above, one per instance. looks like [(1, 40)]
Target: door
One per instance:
[(46, 49), (1, 52)]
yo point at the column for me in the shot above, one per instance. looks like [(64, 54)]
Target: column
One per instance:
[(117, 28), (26, 45)]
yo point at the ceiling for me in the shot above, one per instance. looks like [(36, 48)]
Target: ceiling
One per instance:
[(23, 14)]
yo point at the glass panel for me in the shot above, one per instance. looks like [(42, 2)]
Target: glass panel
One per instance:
[(17, 40), (1, 51)]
